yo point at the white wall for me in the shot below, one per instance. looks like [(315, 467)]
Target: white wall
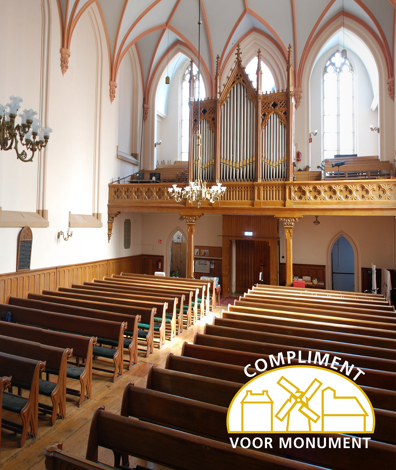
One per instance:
[(80, 158), (373, 237), (155, 227)]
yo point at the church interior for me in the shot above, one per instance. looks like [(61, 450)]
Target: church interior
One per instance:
[(244, 142)]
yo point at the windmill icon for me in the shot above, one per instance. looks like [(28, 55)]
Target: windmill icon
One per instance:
[(298, 402)]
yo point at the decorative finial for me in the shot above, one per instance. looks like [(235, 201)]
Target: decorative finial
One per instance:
[(65, 55), (113, 86), (290, 57), (238, 53), (217, 64)]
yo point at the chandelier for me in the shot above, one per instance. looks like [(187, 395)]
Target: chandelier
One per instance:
[(196, 191), (28, 134)]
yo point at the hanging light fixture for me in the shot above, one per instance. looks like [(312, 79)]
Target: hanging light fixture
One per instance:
[(196, 191), (28, 134), (344, 51), (316, 221), (167, 78)]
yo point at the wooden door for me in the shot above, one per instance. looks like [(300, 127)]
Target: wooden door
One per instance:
[(250, 254), (179, 258)]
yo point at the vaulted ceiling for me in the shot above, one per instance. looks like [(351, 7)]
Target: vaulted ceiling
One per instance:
[(156, 26)]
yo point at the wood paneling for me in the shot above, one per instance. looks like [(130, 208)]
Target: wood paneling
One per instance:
[(265, 231), (18, 284), (314, 270)]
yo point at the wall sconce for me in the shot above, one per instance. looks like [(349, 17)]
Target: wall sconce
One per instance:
[(69, 234), (312, 134), (373, 128), (157, 143), (316, 221)]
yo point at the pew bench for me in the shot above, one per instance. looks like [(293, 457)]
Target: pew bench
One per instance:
[(83, 326), (170, 318), (146, 314), (120, 299), (378, 385), (185, 312), (105, 337), (5, 383), (25, 372), (203, 286), (175, 449), (147, 292), (82, 347), (55, 359)]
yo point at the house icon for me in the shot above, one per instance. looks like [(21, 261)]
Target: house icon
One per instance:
[(257, 412), (342, 414)]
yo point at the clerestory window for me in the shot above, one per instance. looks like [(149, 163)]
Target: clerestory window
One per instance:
[(338, 107)]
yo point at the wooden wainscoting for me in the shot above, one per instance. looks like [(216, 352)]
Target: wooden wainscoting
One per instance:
[(313, 270), (20, 283)]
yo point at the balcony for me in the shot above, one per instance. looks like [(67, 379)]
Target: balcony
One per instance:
[(296, 198)]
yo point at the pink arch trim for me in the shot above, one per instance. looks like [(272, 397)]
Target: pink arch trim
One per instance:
[(262, 33), (308, 45)]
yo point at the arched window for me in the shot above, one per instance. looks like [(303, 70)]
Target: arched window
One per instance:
[(185, 109), (268, 83), (338, 107)]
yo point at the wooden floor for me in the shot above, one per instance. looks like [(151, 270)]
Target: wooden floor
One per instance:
[(74, 429)]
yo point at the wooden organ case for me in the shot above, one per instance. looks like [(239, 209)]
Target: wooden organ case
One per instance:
[(245, 135)]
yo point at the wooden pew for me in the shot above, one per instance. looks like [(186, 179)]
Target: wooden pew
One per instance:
[(195, 417), (83, 326), (318, 315), (146, 314), (106, 336), (122, 299), (25, 372), (273, 348), (383, 397), (175, 449), (55, 359), (57, 459), (5, 383), (320, 292), (363, 335), (188, 314), (385, 430), (149, 292), (191, 314), (207, 294), (353, 307), (172, 302), (209, 390), (82, 348), (314, 342)]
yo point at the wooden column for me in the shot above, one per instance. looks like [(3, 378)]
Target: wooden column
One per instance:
[(289, 225), (190, 219)]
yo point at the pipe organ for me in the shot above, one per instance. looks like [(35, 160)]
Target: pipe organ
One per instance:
[(245, 135)]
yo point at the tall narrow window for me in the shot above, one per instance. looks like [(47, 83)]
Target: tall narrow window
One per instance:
[(338, 106), (185, 109)]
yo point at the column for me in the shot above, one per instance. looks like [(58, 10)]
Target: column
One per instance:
[(288, 223), (190, 219)]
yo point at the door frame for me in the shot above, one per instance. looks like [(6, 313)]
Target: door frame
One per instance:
[(167, 259)]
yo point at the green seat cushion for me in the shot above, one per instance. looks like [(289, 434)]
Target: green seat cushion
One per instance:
[(108, 342), (104, 352), (74, 372), (142, 334), (13, 403), (145, 326), (158, 319), (169, 316), (46, 387)]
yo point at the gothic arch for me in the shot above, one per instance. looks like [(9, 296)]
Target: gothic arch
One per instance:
[(356, 260), (271, 54), (307, 62), (167, 260)]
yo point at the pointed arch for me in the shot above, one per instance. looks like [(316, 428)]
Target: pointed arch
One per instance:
[(167, 260), (356, 260)]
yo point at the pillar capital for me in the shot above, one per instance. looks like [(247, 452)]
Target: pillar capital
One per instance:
[(288, 222), (191, 219)]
